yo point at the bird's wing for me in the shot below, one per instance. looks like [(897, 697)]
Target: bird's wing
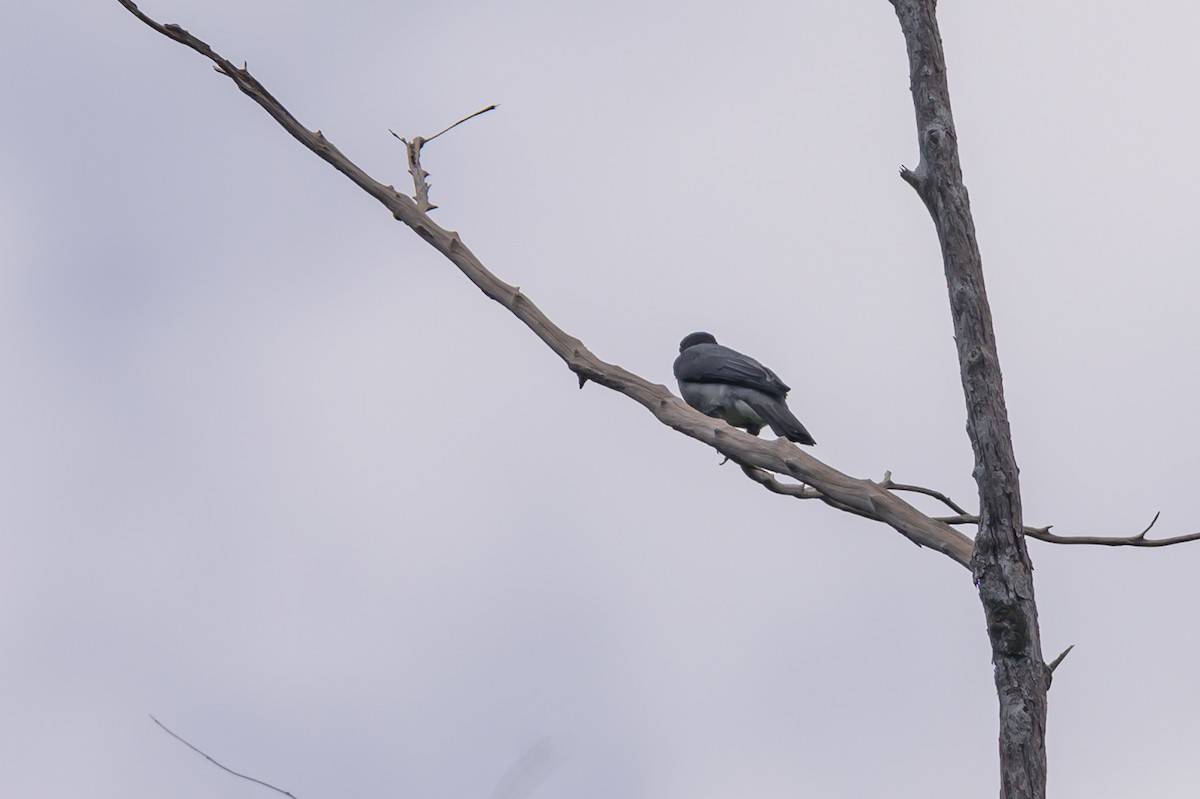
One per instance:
[(713, 363)]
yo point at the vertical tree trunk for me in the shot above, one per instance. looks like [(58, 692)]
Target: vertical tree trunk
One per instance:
[(1000, 563)]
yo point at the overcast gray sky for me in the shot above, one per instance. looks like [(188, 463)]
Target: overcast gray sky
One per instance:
[(279, 475)]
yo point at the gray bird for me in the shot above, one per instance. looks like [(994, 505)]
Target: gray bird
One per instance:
[(725, 384)]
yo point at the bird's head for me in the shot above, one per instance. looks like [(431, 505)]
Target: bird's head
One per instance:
[(692, 339)]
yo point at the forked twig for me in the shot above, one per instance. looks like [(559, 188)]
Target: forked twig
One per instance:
[(419, 175), (1044, 534), (1139, 540), (961, 517)]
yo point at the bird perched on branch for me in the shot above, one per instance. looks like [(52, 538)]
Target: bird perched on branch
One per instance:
[(725, 384)]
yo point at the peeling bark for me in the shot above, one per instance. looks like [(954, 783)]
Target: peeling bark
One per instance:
[(1000, 563)]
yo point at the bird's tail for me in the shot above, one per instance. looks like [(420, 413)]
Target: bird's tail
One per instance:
[(783, 422)]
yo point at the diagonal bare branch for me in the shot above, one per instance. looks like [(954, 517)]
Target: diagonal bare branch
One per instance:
[(962, 517), (780, 456)]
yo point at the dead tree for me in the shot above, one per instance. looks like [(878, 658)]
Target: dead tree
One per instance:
[(997, 556)]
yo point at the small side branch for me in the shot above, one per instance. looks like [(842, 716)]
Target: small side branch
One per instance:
[(962, 517), (871, 501), (419, 175), (219, 765), (1139, 540), (768, 481), (459, 122), (800, 491), (1052, 665), (929, 492), (1044, 534)]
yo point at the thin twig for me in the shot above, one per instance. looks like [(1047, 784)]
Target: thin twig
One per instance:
[(800, 491), (213, 760), (929, 492), (961, 517), (1044, 534), (464, 119), (1139, 540)]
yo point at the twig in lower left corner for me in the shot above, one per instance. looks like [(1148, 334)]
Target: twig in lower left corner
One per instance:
[(215, 762)]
